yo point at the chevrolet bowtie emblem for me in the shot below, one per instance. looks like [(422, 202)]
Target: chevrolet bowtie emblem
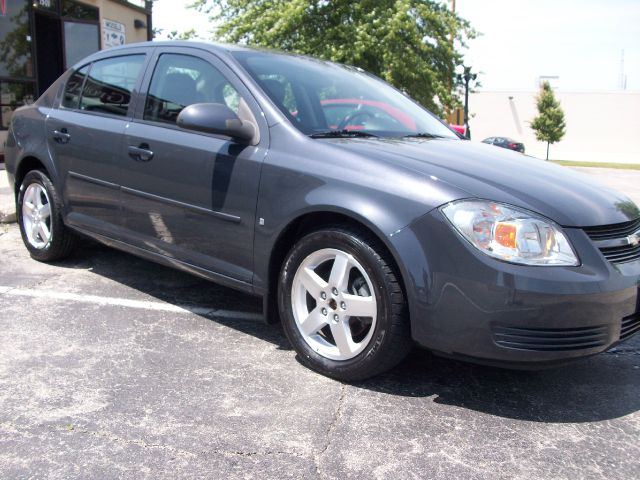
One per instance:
[(634, 239)]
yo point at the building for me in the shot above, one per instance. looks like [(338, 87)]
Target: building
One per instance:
[(601, 126), (40, 39)]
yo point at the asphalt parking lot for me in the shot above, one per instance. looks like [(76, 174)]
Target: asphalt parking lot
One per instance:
[(114, 367)]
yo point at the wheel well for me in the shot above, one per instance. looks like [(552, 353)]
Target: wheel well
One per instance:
[(300, 227), (26, 165)]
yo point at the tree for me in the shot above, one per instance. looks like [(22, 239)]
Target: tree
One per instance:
[(549, 125), (409, 43)]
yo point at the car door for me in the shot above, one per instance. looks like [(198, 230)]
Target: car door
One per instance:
[(188, 195), (85, 137)]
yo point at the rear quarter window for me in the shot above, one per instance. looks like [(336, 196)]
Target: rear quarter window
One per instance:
[(73, 88)]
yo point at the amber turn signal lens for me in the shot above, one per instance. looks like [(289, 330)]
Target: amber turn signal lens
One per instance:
[(505, 234)]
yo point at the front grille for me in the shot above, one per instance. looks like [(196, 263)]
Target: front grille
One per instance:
[(630, 325), (625, 253), (619, 230), (613, 241), (551, 339)]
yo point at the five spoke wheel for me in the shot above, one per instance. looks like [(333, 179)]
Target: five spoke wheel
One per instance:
[(36, 216), (333, 304)]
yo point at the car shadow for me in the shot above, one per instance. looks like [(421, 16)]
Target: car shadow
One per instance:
[(603, 387)]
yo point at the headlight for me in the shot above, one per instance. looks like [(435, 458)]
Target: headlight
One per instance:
[(510, 234)]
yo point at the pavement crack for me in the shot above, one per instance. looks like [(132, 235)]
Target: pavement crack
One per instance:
[(123, 441), (330, 429), (72, 429), (266, 453)]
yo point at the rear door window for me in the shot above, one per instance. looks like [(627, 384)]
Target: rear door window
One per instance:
[(110, 83)]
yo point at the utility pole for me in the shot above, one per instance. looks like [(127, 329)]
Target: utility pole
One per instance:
[(465, 78)]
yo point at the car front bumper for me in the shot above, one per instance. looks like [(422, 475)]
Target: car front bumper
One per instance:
[(466, 304)]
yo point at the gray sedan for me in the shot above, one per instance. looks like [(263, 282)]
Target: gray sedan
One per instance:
[(362, 220)]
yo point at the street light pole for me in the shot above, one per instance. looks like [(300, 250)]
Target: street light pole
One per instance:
[(466, 77)]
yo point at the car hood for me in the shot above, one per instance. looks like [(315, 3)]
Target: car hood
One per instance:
[(484, 171)]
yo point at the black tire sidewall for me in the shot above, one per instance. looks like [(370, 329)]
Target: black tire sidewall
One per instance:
[(40, 178), (366, 360)]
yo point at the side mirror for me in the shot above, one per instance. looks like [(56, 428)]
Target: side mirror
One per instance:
[(216, 118)]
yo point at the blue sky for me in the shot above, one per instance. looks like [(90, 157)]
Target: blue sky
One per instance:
[(578, 40)]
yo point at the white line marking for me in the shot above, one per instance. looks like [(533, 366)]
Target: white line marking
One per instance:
[(125, 302)]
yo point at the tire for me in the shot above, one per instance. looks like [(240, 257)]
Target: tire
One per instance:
[(39, 205), (327, 275)]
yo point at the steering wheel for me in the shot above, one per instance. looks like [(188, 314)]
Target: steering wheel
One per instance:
[(349, 119)]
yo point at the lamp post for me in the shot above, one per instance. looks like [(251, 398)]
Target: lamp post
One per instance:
[(465, 76)]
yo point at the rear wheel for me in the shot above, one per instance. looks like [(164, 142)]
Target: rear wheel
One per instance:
[(39, 212), (342, 306)]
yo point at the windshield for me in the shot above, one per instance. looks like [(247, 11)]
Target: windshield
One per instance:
[(320, 97)]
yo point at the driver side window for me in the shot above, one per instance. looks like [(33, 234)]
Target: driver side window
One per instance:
[(182, 80)]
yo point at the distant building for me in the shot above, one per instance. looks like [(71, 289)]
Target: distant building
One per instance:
[(40, 39), (601, 126)]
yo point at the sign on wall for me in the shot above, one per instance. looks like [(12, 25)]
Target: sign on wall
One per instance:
[(113, 34)]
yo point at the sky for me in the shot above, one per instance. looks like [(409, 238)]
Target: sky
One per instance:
[(580, 41)]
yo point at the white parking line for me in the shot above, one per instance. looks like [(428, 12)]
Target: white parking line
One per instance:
[(125, 302)]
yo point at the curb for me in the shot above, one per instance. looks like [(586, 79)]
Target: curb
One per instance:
[(7, 218), (7, 202)]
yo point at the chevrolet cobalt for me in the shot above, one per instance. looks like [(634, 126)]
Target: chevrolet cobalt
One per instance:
[(363, 221)]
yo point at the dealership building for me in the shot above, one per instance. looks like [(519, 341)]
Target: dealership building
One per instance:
[(602, 126), (40, 39)]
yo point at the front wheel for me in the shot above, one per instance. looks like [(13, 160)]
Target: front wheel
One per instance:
[(342, 306), (39, 212)]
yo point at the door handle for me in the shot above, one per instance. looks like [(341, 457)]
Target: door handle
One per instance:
[(141, 153), (61, 136)]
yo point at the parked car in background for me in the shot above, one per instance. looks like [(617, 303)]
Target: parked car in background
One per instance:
[(505, 142), (461, 129), (361, 219), (357, 114)]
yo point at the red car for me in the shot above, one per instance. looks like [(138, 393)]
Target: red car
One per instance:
[(458, 129), (342, 113)]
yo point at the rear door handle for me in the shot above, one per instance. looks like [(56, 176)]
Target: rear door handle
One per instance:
[(61, 136), (141, 153)]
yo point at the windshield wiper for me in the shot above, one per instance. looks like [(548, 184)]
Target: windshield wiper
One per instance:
[(342, 134), (423, 135)]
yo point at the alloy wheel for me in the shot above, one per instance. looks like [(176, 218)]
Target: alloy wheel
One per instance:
[(334, 304), (36, 216)]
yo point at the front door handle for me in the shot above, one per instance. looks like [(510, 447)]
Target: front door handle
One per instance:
[(141, 153), (61, 136)]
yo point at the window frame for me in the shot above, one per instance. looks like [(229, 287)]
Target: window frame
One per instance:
[(216, 62), (134, 92)]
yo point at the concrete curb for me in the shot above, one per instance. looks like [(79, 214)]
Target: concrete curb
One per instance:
[(7, 206)]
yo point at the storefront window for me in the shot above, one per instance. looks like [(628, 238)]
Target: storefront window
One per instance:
[(80, 40), (15, 39), (12, 96), (79, 11)]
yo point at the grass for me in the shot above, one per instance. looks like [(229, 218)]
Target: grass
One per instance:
[(624, 166)]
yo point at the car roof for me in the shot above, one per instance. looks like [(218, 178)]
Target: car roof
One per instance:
[(181, 43), (210, 46)]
